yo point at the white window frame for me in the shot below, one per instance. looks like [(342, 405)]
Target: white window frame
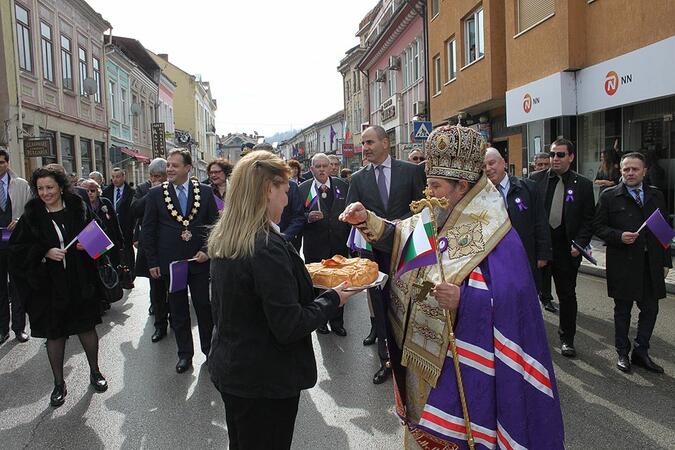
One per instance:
[(96, 67), (435, 8), (451, 51), (437, 75), (66, 62), (82, 66), (416, 60), (113, 107), (24, 39), (47, 51), (123, 106), (474, 23), (391, 82)]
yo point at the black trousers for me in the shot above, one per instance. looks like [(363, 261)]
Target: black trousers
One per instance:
[(564, 269), (260, 423), (649, 310), (545, 284), (159, 302), (129, 259), (338, 319), (179, 309), (7, 290)]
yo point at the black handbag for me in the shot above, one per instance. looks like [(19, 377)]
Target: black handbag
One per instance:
[(109, 279)]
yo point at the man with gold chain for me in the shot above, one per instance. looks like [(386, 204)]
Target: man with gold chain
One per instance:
[(178, 214), (472, 368)]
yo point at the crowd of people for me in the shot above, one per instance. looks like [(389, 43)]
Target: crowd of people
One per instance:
[(499, 240)]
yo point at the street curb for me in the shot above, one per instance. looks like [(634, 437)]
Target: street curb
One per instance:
[(600, 272)]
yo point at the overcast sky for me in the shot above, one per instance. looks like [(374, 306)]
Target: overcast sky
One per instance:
[(272, 64)]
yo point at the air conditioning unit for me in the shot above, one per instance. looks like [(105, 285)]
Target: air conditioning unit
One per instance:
[(419, 108), (380, 76), (394, 63), (364, 126)]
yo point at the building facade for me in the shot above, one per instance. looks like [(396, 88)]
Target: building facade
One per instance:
[(355, 106), (230, 145), (394, 62), (57, 108)]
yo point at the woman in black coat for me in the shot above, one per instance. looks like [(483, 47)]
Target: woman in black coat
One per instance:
[(64, 286), (103, 211), (264, 309)]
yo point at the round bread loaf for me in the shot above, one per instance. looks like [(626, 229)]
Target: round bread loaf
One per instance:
[(333, 272)]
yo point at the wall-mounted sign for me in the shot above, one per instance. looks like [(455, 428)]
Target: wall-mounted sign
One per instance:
[(158, 140), (35, 148), (348, 149)]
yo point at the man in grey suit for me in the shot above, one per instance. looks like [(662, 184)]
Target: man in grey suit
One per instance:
[(385, 186)]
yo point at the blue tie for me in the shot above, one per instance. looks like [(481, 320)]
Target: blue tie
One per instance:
[(117, 197), (3, 195), (182, 199)]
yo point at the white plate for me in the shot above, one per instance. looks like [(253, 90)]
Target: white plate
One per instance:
[(381, 281)]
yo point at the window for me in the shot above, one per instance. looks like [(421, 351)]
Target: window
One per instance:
[(67, 146), (452, 59), (66, 63), (134, 101), (404, 69), (123, 106), (143, 122), (83, 68), (113, 103), (85, 155), (434, 8), (98, 154), (531, 12), (415, 61), (23, 39), (47, 49), (96, 64), (473, 37), (391, 82), (437, 74)]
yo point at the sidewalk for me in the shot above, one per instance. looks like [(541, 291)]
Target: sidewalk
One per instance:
[(599, 270)]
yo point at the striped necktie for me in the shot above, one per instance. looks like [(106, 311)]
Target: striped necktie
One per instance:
[(635, 191), (3, 195)]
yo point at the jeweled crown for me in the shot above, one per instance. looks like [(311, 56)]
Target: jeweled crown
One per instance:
[(455, 152)]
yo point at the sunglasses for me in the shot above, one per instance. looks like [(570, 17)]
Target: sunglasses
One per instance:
[(558, 154), (417, 158), (92, 190), (215, 172)]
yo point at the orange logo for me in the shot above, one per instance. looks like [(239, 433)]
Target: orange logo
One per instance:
[(611, 83), (527, 103)]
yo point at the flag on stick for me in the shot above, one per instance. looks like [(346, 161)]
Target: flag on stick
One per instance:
[(312, 197), (94, 240), (332, 135), (420, 247), (219, 203), (178, 276), (357, 242), (659, 227), (6, 234)]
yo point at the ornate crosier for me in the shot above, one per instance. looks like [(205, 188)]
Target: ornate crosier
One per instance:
[(416, 207), (186, 235)]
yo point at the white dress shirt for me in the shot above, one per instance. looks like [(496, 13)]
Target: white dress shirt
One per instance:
[(387, 172)]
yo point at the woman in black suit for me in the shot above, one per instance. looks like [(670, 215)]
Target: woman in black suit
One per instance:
[(264, 309), (64, 286)]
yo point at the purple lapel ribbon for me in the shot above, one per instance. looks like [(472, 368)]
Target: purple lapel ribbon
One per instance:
[(442, 244), (520, 204), (570, 196), (338, 194)]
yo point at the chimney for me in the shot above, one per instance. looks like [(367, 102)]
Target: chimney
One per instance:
[(164, 56)]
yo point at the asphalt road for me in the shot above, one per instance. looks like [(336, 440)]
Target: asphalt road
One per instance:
[(149, 406)]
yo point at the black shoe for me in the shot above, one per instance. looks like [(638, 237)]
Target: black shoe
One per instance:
[(98, 382), (58, 396), (643, 360), (382, 375), (370, 339), (340, 331), (183, 365), (3, 338), (22, 336), (550, 307), (568, 350), (623, 363), (323, 329), (158, 335), (151, 311)]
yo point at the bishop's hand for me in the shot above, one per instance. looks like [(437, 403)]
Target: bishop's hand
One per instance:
[(447, 296), (354, 214)]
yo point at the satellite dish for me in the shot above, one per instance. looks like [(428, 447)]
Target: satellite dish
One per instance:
[(135, 109), (89, 86)]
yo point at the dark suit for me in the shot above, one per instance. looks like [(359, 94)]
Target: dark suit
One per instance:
[(327, 237), (292, 217), (158, 291), (577, 226), (126, 220), (634, 271), (162, 244), (526, 211), (407, 184)]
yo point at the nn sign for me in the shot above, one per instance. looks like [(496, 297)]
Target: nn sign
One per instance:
[(158, 140), (36, 148)]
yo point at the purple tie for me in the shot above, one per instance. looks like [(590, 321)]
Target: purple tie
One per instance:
[(382, 186)]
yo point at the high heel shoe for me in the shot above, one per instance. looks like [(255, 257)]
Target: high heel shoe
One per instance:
[(98, 382), (58, 396)]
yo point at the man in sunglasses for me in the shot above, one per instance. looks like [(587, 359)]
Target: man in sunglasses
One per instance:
[(570, 208), (416, 157)]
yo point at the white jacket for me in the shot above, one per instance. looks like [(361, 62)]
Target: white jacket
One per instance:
[(19, 194)]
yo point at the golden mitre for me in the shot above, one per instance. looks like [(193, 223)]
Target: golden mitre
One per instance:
[(455, 152)]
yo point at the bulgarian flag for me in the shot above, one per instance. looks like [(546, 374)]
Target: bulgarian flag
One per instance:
[(312, 197), (357, 242), (347, 133), (419, 249)]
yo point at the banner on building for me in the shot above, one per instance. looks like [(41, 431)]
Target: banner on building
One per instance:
[(348, 149), (158, 140), (35, 148)]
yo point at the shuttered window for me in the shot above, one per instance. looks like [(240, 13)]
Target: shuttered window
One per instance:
[(531, 12)]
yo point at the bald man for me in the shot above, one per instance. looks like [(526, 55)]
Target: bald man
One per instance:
[(526, 211)]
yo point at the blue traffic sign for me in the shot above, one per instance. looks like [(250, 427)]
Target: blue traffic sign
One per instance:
[(421, 130)]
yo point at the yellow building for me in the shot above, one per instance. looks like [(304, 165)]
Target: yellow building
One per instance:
[(194, 111)]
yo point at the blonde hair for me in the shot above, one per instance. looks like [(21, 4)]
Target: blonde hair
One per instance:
[(245, 213)]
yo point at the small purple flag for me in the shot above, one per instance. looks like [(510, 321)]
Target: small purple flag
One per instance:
[(94, 240), (178, 276), (658, 225), (332, 134), (219, 203), (6, 234)]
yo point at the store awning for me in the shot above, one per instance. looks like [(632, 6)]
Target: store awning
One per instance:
[(139, 156)]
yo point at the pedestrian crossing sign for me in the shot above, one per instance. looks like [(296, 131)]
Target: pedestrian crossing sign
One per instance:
[(421, 130)]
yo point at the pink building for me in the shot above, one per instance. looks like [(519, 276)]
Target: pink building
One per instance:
[(395, 65)]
